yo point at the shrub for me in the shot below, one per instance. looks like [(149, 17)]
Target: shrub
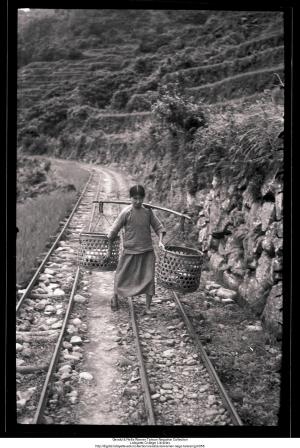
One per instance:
[(240, 145), (119, 99), (79, 114), (144, 65), (151, 42), (39, 145), (138, 103), (177, 113), (98, 91)]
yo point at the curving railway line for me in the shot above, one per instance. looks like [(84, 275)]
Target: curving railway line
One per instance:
[(173, 374)]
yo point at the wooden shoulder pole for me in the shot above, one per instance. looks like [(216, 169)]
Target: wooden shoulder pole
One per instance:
[(156, 207)]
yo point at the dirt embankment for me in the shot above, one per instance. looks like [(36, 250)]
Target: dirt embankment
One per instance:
[(37, 176)]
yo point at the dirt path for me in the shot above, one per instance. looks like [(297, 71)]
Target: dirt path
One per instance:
[(102, 352)]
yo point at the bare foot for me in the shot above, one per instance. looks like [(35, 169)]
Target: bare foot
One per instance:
[(114, 303)]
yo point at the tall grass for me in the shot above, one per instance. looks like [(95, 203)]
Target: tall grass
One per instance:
[(70, 172), (39, 218)]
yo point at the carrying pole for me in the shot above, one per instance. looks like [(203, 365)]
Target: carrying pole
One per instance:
[(156, 207)]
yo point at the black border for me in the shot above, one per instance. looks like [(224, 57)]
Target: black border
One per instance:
[(11, 429)]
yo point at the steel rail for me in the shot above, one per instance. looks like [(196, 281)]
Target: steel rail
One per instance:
[(213, 374), (156, 207), (33, 280), (44, 394), (143, 373)]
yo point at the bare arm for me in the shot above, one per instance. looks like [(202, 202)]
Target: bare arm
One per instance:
[(160, 242)]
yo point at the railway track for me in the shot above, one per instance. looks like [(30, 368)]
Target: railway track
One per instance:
[(43, 311), (172, 371), (179, 383)]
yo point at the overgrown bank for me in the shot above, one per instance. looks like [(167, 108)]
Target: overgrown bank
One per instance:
[(46, 192), (226, 170)]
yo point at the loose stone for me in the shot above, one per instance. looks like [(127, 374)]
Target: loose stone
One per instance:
[(41, 290), (43, 327), (116, 338), (254, 327), (19, 347), (58, 292), (203, 388), (169, 353), (50, 309), (76, 348), (77, 322), (80, 299), (21, 403), (65, 368), (85, 376), (71, 329), (41, 305), (154, 396), (76, 340), (170, 342), (74, 357), (191, 362), (53, 285), (226, 293), (212, 285), (51, 320), (211, 399), (27, 352)]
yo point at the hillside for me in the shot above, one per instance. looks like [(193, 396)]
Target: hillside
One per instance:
[(77, 65)]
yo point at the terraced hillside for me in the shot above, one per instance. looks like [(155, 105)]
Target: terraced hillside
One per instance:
[(87, 79)]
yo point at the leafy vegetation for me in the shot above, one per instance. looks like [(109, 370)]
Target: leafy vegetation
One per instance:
[(193, 142)]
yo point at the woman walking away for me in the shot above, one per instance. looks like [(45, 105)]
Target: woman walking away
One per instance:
[(135, 270)]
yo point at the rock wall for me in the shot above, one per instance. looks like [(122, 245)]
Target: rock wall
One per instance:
[(243, 239)]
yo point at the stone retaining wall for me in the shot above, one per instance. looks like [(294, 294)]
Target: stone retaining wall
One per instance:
[(243, 238)]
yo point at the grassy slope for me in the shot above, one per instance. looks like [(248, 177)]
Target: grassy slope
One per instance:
[(39, 217)]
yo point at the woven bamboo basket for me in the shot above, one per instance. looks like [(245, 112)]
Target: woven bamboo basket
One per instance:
[(179, 268), (93, 249)]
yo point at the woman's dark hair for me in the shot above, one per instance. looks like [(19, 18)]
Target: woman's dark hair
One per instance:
[(137, 190)]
